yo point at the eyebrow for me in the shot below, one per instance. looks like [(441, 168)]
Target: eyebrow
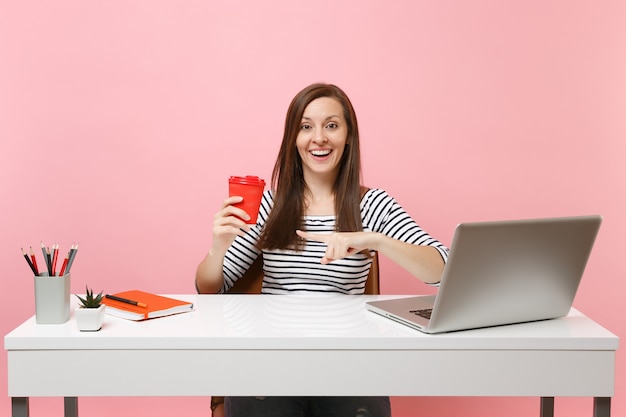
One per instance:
[(328, 118)]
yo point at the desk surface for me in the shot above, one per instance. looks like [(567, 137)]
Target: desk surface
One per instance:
[(301, 322), (294, 342)]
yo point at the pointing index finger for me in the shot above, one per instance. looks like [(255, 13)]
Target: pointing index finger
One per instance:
[(318, 237)]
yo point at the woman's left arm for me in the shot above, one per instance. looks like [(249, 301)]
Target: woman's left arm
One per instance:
[(421, 261)]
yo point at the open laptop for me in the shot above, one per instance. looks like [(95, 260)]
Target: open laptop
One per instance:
[(502, 273)]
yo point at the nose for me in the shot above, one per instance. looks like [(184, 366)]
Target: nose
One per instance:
[(319, 136)]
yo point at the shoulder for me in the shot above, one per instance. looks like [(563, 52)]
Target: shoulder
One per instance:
[(377, 202), (267, 202), (375, 194)]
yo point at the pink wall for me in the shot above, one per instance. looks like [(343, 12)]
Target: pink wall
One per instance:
[(121, 120)]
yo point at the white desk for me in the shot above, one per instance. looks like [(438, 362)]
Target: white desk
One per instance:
[(288, 344)]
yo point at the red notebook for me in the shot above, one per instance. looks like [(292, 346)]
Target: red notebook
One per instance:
[(156, 305)]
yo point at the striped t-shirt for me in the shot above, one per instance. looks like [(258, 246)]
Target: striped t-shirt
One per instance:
[(288, 271)]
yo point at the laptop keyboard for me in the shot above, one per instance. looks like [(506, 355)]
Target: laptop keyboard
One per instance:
[(426, 312)]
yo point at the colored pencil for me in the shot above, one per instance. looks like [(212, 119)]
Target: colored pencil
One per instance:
[(55, 255), (32, 257), (126, 300), (67, 257), (45, 257), (49, 258), (72, 255), (30, 263)]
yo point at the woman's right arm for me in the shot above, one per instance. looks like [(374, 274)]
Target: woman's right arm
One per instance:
[(227, 224)]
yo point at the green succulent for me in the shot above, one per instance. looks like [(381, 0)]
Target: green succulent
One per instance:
[(90, 301)]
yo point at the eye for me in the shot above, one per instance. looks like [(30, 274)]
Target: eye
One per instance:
[(332, 125), (305, 126)]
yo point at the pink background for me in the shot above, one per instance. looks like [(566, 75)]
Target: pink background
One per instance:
[(120, 122)]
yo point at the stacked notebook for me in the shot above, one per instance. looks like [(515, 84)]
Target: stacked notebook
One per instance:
[(141, 305)]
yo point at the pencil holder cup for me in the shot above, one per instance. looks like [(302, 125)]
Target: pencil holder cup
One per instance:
[(52, 299)]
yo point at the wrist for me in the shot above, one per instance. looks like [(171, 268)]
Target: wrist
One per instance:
[(376, 241)]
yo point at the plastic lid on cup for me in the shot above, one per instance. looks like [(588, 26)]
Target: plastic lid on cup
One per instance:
[(248, 179)]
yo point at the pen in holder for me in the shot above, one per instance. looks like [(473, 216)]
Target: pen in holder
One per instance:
[(52, 298)]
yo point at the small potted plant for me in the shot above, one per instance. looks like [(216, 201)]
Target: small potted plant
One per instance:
[(90, 313)]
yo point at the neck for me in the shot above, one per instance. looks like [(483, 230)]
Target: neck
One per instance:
[(319, 200)]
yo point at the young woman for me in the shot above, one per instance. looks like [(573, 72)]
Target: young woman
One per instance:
[(317, 230)]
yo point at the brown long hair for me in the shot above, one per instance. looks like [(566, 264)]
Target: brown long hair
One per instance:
[(287, 215)]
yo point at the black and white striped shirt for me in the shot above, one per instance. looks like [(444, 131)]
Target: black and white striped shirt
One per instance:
[(288, 271)]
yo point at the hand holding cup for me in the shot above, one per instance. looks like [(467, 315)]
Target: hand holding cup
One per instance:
[(251, 189)]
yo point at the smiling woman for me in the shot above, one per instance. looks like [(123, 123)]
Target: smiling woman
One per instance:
[(317, 231)]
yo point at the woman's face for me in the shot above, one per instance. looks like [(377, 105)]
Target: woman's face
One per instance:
[(322, 138)]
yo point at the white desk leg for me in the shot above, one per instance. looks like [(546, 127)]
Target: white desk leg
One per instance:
[(71, 406), (602, 407), (19, 406), (547, 407)]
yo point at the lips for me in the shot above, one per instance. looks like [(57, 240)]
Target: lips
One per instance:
[(320, 153)]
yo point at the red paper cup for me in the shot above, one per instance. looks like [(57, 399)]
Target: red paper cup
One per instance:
[(251, 189)]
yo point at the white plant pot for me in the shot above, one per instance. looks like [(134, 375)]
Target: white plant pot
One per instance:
[(89, 319)]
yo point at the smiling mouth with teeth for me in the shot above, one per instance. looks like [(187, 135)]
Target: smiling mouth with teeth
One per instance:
[(321, 152)]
